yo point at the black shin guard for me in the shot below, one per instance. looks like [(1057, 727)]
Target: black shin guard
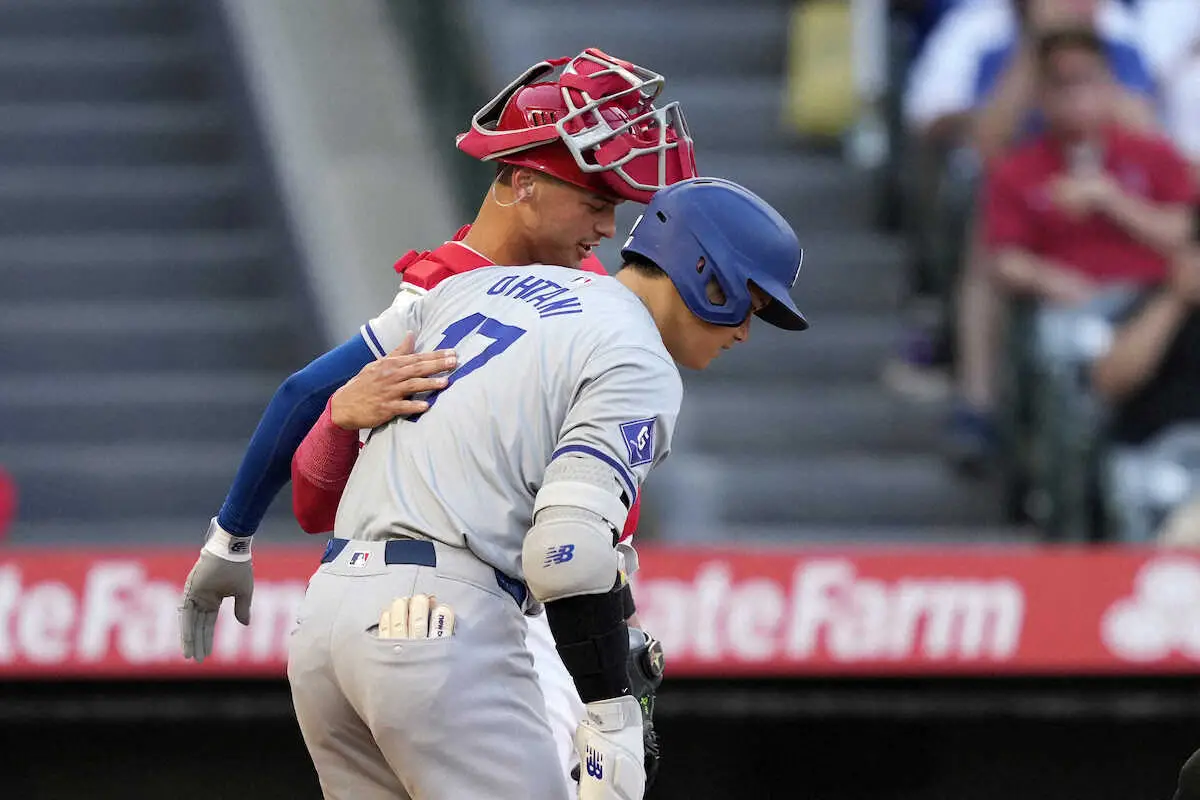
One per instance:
[(591, 636)]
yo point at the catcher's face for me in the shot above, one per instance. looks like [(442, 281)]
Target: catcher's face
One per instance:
[(565, 222)]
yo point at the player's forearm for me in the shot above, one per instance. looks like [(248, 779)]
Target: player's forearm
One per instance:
[(266, 465), (996, 123), (1023, 273), (1139, 348), (320, 470)]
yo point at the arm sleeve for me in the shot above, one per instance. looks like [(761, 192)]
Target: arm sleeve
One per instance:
[(624, 414), (295, 407), (322, 464), (320, 470)]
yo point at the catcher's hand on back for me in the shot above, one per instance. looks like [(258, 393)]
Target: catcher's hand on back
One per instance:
[(384, 389)]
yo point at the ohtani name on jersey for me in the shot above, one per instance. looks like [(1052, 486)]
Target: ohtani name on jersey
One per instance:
[(544, 295)]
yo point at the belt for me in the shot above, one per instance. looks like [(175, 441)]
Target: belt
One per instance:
[(423, 553)]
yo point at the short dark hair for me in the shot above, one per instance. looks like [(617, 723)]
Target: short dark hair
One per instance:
[(1078, 38), (643, 266)]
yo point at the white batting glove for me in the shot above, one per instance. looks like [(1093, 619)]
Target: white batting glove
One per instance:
[(611, 756), (416, 617), (223, 570)]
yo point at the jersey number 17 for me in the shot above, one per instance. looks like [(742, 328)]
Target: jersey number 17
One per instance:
[(502, 336)]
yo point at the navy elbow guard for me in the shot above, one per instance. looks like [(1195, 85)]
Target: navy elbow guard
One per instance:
[(593, 640)]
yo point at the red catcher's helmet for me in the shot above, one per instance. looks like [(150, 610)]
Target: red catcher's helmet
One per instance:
[(594, 126)]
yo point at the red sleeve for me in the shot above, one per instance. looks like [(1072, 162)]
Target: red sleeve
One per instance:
[(1008, 220), (631, 521), (592, 264), (1172, 181), (320, 469)]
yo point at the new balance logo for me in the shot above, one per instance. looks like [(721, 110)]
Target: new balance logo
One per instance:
[(359, 558), (595, 764), (559, 555)]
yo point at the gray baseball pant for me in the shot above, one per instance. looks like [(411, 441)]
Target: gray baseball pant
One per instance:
[(456, 718)]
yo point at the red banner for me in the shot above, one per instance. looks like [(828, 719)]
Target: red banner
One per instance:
[(719, 613)]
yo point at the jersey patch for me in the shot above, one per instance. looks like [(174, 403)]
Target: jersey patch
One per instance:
[(639, 439)]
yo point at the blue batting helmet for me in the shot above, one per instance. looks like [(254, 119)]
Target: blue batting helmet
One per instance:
[(708, 229)]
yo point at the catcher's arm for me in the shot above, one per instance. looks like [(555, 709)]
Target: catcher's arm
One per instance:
[(266, 465), (381, 392)]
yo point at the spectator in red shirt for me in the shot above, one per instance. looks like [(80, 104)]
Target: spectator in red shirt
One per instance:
[(1086, 205)]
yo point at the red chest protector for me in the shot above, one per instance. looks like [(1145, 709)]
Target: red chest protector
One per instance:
[(428, 268)]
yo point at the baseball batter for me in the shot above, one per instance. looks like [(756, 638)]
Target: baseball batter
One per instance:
[(456, 530), (570, 148)]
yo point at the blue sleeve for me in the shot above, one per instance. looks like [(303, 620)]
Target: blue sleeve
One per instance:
[(1129, 68), (297, 405)]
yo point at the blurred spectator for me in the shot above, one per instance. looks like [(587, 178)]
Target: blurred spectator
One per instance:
[(1151, 373), (1005, 82), (923, 17), (1088, 204), (970, 95), (967, 54), (1170, 35)]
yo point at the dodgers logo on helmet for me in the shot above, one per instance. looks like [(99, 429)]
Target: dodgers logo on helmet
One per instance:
[(639, 440)]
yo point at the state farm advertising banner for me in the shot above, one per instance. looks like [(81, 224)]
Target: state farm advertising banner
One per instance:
[(719, 613)]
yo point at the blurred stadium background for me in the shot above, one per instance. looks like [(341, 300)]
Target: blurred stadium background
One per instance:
[(872, 578)]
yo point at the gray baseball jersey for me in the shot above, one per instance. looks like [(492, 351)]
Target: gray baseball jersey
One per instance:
[(551, 361)]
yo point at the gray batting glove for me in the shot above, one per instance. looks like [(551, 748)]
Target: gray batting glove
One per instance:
[(223, 570)]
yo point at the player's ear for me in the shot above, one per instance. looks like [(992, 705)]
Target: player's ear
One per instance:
[(523, 183)]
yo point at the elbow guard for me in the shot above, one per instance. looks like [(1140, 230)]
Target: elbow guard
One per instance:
[(577, 515), (568, 553), (571, 564)]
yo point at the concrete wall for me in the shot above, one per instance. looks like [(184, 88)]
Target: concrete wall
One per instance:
[(358, 173)]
